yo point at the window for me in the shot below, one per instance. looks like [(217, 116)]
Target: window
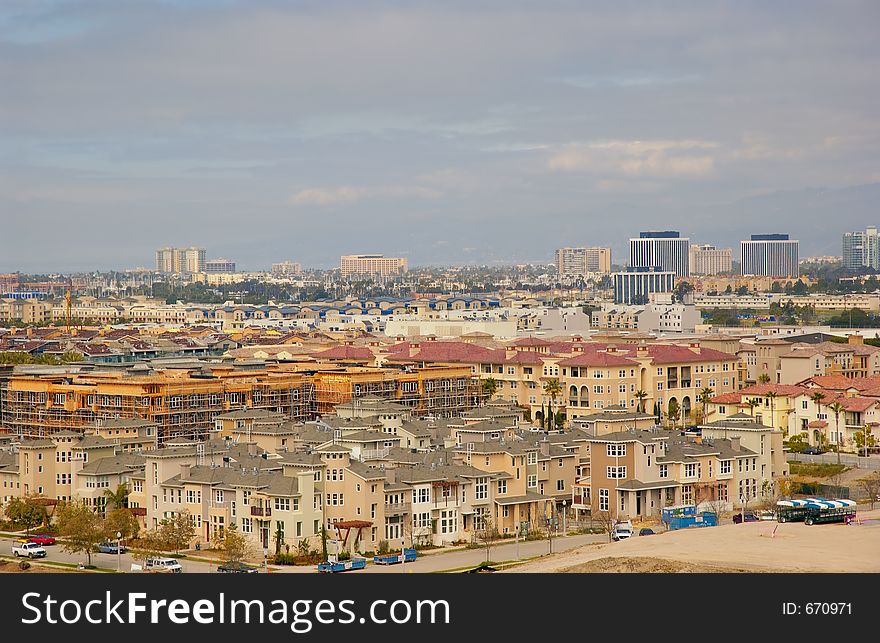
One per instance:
[(246, 526), (448, 522), (560, 485), (614, 473), (502, 487), (533, 457), (282, 504), (532, 480), (690, 471), (422, 495), (603, 499), (725, 466), (615, 450), (664, 471), (481, 489)]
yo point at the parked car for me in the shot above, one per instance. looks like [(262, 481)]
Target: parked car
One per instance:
[(110, 548), (162, 565), (747, 517), (235, 567), (621, 531), (42, 539), (645, 531), (813, 451), (28, 550)]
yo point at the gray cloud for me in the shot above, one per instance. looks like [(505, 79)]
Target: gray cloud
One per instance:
[(522, 126)]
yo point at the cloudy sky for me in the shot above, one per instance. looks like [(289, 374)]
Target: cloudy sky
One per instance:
[(442, 131)]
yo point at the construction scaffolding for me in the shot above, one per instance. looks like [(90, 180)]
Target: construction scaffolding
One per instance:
[(180, 404)]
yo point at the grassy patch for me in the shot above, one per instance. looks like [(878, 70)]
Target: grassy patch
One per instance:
[(816, 469)]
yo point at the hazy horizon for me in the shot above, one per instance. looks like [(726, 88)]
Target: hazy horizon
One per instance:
[(448, 133)]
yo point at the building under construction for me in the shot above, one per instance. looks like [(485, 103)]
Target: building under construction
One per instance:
[(442, 391), (181, 402)]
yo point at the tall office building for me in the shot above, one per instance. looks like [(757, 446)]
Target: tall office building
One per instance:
[(219, 266), (769, 255), (372, 265), (709, 260), (861, 249), (165, 260), (286, 268), (180, 260), (660, 250), (634, 285), (576, 262)]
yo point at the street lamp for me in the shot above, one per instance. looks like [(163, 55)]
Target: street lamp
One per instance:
[(118, 551)]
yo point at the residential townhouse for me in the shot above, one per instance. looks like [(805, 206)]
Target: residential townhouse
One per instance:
[(764, 441), (634, 474)]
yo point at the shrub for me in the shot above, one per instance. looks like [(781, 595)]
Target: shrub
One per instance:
[(24, 565), (344, 555), (383, 547)]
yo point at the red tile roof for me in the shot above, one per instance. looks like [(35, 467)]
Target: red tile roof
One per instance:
[(817, 424), (785, 390), (525, 357), (531, 341), (727, 398), (671, 354)]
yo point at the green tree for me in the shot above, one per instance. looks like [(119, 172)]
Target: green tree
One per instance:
[(817, 399), (752, 402), (25, 513), (278, 538), (763, 378), (81, 528), (177, 531), (864, 439), (837, 408), (674, 411), (640, 395), (705, 395), (121, 521), (553, 388), (490, 386), (235, 545), (772, 395), (118, 498)]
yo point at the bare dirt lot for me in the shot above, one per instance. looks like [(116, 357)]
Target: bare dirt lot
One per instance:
[(749, 547)]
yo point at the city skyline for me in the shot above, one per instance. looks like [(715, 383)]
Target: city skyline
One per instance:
[(392, 129)]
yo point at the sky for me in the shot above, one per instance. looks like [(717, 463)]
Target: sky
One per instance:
[(446, 132)]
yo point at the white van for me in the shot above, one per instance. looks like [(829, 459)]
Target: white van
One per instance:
[(163, 565), (622, 530)]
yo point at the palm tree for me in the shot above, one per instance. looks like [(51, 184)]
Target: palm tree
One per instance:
[(553, 388), (490, 385), (117, 499), (705, 394), (836, 408), (763, 378), (772, 395), (752, 402), (640, 395)]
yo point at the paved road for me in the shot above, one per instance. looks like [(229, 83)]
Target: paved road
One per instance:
[(435, 562), (106, 561), (499, 552)]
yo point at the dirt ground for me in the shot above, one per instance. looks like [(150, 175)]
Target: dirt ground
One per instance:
[(35, 568), (749, 547)]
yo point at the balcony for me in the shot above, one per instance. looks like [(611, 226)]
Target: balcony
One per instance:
[(261, 511), (374, 454), (397, 508)]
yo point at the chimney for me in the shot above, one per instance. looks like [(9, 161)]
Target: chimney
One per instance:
[(855, 339), (184, 471), (734, 443), (545, 446), (611, 349), (694, 346), (577, 349), (641, 350), (577, 338), (390, 476)]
